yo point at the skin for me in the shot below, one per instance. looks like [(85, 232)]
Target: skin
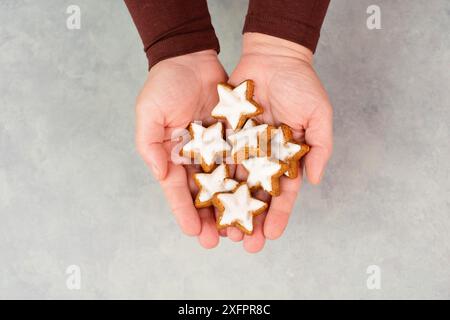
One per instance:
[(182, 89), (176, 92), (291, 93)]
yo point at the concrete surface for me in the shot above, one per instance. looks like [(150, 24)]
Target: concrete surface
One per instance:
[(74, 192)]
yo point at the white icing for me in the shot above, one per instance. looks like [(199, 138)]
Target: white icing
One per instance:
[(207, 142), (280, 148), (214, 182), (239, 207), (250, 124), (233, 104), (260, 172), (247, 137)]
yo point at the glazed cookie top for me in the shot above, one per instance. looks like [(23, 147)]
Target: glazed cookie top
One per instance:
[(238, 208), (211, 183), (264, 172), (248, 137), (236, 104), (206, 142), (281, 148)]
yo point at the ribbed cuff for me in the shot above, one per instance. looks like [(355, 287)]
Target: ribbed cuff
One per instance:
[(170, 28), (298, 21), (283, 28), (182, 44)]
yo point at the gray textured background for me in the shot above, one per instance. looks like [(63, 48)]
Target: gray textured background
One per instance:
[(74, 191)]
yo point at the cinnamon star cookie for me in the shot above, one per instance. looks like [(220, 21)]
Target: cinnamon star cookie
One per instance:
[(265, 173), (238, 208), (236, 105), (211, 183), (206, 145), (284, 149), (251, 140)]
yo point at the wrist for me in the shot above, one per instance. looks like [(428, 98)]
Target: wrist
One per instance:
[(264, 45), (190, 59)]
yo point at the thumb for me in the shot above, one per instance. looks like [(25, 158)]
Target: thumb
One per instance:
[(149, 141), (319, 136)]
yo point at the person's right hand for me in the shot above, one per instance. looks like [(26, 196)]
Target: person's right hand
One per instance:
[(178, 91)]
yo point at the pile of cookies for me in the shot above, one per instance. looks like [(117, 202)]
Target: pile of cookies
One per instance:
[(266, 153)]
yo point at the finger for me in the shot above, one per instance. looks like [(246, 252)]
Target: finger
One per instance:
[(209, 236), (281, 207), (319, 136), (190, 171), (176, 189), (255, 242), (223, 232), (149, 140), (235, 234)]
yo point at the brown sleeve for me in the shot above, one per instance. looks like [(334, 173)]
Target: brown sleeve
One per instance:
[(294, 20), (170, 28)]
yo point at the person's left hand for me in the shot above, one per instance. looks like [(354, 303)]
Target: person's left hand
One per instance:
[(288, 88)]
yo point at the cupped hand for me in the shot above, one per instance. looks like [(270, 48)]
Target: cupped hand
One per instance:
[(178, 91), (288, 88)]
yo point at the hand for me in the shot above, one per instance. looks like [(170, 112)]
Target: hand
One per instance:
[(177, 91), (291, 93)]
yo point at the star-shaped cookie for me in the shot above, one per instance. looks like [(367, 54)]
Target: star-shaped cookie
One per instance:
[(251, 140), (236, 105), (265, 173), (284, 149), (211, 183), (206, 145), (238, 208)]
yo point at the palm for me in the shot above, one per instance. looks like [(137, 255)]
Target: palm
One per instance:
[(177, 92), (288, 88), (182, 93)]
